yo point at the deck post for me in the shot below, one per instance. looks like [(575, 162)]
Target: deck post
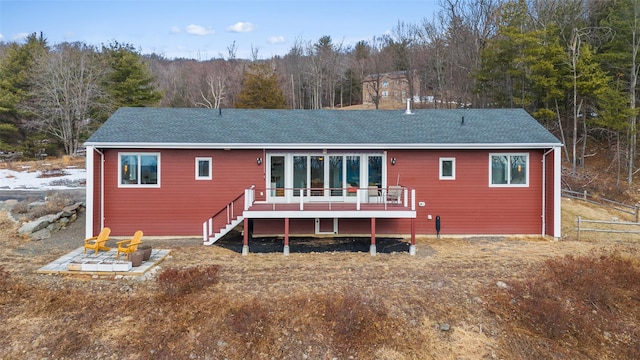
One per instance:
[(286, 237), (372, 248), (245, 239), (412, 248), (205, 231)]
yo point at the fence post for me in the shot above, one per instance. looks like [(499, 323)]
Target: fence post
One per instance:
[(584, 196), (636, 209), (578, 237)]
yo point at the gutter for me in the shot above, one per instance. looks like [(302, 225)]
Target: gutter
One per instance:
[(303, 146)]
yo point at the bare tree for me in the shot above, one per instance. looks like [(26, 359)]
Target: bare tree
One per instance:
[(216, 88), (375, 68), (468, 25), (66, 92)]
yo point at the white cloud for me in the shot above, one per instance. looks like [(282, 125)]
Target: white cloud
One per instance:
[(20, 36), (275, 39), (1, 37), (241, 27), (199, 30), (175, 30)]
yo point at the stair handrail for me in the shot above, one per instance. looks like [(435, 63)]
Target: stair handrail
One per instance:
[(229, 210)]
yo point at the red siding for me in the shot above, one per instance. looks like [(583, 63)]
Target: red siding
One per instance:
[(276, 226), (467, 205), (181, 204)]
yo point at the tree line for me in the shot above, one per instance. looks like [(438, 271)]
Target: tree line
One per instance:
[(572, 64)]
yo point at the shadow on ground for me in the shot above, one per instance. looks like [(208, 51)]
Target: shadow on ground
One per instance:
[(233, 241)]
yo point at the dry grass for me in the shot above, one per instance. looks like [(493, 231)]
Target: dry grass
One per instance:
[(565, 299), (46, 165), (211, 302)]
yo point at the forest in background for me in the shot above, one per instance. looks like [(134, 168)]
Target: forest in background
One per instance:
[(572, 64)]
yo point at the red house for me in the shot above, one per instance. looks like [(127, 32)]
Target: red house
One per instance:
[(201, 172)]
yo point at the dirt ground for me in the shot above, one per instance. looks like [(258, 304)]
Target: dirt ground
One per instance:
[(438, 292)]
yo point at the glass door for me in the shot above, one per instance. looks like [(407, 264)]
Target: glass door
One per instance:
[(352, 174), (335, 176), (375, 171), (299, 174), (322, 177), (277, 176), (317, 176)]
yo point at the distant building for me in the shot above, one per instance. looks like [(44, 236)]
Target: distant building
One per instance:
[(391, 88)]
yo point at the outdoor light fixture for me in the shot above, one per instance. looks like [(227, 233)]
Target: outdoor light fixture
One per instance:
[(393, 161), (259, 160)]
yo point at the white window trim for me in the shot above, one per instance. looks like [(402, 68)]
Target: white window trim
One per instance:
[(120, 155), (288, 181), (526, 184), (453, 168), (198, 177)]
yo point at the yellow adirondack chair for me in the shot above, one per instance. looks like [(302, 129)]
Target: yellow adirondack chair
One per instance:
[(97, 243), (130, 245)]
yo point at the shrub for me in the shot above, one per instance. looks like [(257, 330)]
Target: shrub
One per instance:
[(175, 282), (21, 208), (584, 299)]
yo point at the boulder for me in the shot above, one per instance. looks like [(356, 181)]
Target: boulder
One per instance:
[(41, 234)]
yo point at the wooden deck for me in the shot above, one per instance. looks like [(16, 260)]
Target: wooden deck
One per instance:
[(326, 206), (329, 210)]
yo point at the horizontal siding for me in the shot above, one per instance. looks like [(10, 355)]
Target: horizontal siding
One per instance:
[(181, 204), (466, 205), (276, 226)]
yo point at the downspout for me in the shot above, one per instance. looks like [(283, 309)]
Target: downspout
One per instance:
[(544, 189)]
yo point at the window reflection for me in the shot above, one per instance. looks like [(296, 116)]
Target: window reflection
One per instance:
[(277, 175), (375, 171), (299, 174)]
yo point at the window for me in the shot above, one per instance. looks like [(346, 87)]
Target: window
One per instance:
[(508, 170), (323, 175), (141, 169), (203, 168), (385, 84), (447, 168), (375, 171)]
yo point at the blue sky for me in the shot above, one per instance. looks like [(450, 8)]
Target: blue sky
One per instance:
[(201, 29)]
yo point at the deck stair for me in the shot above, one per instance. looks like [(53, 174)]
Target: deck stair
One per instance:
[(227, 218), (225, 230)]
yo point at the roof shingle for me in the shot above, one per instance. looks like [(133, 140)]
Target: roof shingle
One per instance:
[(273, 128)]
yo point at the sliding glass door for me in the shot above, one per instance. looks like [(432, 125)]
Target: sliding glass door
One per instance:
[(322, 177)]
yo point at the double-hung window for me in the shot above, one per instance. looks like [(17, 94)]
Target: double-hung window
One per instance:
[(447, 168), (139, 170), (203, 168), (509, 170)]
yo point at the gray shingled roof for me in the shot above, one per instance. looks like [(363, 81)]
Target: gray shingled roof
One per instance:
[(329, 128)]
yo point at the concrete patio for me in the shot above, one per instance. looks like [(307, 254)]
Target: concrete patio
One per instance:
[(104, 263)]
